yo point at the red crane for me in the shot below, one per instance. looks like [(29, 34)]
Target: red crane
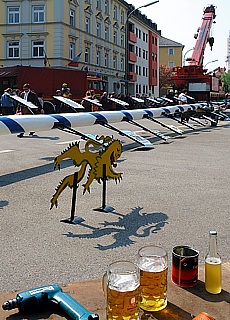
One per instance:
[(193, 77), (203, 37)]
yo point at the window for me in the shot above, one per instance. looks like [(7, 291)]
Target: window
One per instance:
[(140, 70), (122, 40), (87, 54), (171, 51), (136, 69), (115, 62), (115, 37), (139, 52), (98, 58), (38, 49), (13, 15), (98, 4), (72, 18), (115, 12), (98, 26), (107, 6), (143, 54), (38, 14), (143, 71), (106, 33), (171, 63), (87, 24), (72, 51), (122, 64), (13, 49), (143, 36), (106, 59), (122, 17)]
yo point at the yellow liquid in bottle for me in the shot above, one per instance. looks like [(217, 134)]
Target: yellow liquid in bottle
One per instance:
[(213, 275)]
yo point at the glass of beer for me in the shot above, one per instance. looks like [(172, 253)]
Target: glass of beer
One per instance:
[(121, 284), (153, 264)]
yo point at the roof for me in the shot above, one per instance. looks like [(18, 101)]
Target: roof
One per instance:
[(164, 42), (8, 72)]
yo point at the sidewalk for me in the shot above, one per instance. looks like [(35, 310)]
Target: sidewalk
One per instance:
[(182, 303)]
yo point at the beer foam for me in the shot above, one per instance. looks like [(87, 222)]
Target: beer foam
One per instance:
[(151, 265), (123, 283)]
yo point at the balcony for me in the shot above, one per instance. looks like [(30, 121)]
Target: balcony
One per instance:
[(132, 37), (132, 56), (132, 76)]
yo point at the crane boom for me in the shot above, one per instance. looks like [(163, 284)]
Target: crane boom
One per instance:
[(203, 37), (194, 77)]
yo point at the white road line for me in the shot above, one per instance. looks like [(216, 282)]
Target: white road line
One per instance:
[(5, 151), (68, 142)]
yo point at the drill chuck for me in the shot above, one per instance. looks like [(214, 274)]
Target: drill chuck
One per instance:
[(10, 304)]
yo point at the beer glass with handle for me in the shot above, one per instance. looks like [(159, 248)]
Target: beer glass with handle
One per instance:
[(153, 264), (121, 284)]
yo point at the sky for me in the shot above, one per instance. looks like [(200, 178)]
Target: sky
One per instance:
[(179, 20)]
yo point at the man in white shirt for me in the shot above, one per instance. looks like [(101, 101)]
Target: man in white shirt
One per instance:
[(182, 97)]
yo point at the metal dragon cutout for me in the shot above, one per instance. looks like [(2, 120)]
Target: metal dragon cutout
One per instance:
[(109, 150)]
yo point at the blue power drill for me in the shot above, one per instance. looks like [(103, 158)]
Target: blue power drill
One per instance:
[(38, 299)]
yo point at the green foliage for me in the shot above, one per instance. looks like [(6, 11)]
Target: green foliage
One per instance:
[(226, 79)]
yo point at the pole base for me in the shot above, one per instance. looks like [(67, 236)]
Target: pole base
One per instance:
[(105, 209), (75, 220)]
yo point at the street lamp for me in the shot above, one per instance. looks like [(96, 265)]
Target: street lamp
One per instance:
[(127, 43), (210, 62), (185, 55)]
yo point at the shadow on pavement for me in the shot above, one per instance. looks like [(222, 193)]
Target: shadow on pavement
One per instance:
[(123, 230)]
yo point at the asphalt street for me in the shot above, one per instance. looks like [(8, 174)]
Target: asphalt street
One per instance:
[(172, 194)]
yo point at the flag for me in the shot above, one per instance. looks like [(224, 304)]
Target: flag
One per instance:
[(74, 62), (45, 59)]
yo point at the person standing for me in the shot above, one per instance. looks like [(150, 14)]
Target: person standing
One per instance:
[(182, 97), (8, 107), (29, 96)]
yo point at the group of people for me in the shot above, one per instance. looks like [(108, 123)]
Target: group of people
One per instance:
[(178, 98), (10, 106)]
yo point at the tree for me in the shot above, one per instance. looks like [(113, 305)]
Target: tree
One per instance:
[(165, 77), (226, 79)]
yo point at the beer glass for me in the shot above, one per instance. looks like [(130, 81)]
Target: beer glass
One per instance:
[(121, 284), (153, 264)]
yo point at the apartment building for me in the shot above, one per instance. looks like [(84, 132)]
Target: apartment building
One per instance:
[(143, 50), (228, 52), (170, 52), (91, 33)]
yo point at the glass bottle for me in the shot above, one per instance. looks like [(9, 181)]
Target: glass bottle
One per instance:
[(213, 266)]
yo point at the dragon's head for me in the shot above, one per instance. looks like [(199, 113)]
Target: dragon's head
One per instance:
[(116, 152)]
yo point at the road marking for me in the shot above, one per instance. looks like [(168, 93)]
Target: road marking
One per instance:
[(69, 142), (5, 151)]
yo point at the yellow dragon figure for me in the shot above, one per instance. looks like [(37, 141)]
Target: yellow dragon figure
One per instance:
[(110, 151)]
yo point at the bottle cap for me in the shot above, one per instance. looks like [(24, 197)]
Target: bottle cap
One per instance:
[(213, 232), (203, 316)]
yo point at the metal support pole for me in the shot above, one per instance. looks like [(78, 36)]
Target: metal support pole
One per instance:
[(104, 208), (73, 219)]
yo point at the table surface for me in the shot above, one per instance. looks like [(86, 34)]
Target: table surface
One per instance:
[(182, 303)]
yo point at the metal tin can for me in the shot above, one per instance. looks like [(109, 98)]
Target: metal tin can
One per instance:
[(203, 316), (185, 266)]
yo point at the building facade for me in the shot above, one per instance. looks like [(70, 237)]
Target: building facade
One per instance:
[(228, 52), (92, 33), (171, 52)]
